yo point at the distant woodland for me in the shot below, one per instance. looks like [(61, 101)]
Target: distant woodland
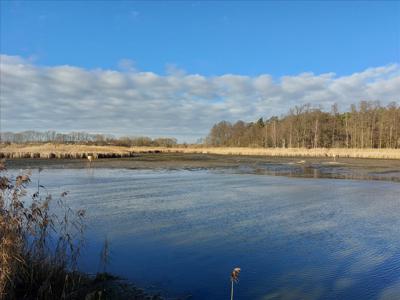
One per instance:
[(83, 138), (366, 125)]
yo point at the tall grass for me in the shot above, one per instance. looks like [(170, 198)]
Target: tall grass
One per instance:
[(41, 239), (92, 152), (39, 250)]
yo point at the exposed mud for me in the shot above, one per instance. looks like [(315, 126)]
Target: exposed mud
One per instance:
[(343, 168)]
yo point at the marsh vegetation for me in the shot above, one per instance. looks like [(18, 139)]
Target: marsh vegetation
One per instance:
[(41, 239)]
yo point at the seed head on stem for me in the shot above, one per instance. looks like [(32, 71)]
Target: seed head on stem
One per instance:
[(235, 274)]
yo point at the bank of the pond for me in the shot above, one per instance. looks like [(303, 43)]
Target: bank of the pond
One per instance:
[(67, 151), (314, 167)]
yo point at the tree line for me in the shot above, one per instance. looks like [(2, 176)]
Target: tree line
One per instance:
[(32, 136), (366, 125)]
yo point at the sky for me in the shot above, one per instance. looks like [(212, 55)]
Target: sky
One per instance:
[(176, 68)]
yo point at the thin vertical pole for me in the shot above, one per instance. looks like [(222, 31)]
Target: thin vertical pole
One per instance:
[(232, 290)]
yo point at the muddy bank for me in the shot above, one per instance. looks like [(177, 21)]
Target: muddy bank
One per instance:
[(344, 168)]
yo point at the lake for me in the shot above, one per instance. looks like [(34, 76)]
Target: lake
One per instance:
[(181, 232)]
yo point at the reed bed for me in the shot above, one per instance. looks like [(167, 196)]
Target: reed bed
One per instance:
[(38, 249), (41, 239), (53, 151)]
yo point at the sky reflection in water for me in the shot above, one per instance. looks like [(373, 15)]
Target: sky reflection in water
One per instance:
[(182, 232)]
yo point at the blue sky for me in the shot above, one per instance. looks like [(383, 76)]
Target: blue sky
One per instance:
[(183, 66), (209, 38)]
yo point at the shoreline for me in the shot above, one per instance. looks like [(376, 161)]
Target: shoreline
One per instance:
[(67, 151), (341, 168)]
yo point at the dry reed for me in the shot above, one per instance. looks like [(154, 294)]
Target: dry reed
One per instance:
[(40, 242), (234, 279), (63, 151), (38, 249)]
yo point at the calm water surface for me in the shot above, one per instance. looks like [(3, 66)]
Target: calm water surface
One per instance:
[(181, 232)]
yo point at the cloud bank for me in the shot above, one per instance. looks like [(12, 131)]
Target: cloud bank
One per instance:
[(130, 102)]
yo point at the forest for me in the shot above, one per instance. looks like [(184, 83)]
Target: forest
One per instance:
[(366, 125), (78, 137)]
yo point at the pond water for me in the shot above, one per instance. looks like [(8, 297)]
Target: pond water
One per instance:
[(181, 232)]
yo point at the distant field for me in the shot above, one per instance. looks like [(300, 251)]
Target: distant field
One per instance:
[(82, 151)]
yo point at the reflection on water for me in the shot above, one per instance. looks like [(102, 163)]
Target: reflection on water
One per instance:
[(318, 170), (294, 238)]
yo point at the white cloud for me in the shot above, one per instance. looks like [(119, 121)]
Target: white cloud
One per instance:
[(183, 105)]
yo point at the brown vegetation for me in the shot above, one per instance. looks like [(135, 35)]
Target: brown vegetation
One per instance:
[(53, 151), (39, 249)]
